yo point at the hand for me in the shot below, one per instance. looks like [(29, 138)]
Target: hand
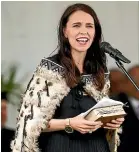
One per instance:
[(114, 123), (78, 123)]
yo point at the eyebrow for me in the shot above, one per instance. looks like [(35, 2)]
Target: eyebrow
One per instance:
[(81, 23)]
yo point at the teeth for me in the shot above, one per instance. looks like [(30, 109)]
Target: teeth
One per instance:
[(82, 39)]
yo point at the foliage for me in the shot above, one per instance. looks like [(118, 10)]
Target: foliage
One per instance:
[(10, 85)]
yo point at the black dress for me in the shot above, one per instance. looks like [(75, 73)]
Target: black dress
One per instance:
[(60, 141)]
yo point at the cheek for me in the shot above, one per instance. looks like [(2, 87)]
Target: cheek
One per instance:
[(72, 38), (92, 35), (72, 35)]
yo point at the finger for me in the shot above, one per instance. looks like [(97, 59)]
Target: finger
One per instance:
[(120, 119), (112, 125), (90, 126), (88, 130), (109, 128), (116, 122), (84, 130), (92, 123), (87, 126), (97, 127)]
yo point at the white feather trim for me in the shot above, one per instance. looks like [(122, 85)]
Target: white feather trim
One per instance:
[(41, 115)]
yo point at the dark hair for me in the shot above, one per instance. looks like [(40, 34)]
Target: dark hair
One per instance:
[(95, 60)]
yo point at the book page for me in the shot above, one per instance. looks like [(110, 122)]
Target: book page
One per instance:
[(104, 102)]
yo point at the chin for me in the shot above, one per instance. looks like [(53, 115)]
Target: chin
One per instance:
[(82, 49)]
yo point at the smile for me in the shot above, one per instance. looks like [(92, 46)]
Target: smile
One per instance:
[(82, 39)]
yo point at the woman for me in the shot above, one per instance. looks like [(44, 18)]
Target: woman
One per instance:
[(65, 85)]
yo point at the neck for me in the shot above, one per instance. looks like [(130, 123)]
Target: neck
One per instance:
[(79, 58)]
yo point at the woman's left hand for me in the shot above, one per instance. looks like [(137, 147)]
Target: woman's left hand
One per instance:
[(115, 124)]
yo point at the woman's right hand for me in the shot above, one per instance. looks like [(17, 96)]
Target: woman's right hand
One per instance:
[(78, 123)]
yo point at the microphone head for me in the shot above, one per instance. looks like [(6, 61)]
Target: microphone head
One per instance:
[(104, 44), (106, 47), (116, 54)]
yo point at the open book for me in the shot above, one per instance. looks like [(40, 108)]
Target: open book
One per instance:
[(105, 111)]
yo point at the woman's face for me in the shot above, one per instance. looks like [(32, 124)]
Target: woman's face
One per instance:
[(80, 31)]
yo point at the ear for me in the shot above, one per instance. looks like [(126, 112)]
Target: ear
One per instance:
[(65, 32)]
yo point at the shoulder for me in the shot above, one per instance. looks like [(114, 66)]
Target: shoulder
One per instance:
[(51, 63), (52, 60)]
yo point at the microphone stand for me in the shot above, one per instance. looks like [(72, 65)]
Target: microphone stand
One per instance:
[(120, 65)]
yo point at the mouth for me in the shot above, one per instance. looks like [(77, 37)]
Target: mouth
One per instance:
[(82, 40)]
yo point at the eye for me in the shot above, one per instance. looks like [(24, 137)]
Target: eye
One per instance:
[(90, 26), (76, 25)]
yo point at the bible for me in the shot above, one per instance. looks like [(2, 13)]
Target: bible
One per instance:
[(105, 111)]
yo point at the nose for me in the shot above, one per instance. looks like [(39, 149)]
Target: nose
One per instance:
[(83, 30)]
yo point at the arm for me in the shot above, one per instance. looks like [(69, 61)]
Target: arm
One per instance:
[(78, 123), (56, 125)]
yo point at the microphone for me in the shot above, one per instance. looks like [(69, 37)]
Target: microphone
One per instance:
[(114, 53)]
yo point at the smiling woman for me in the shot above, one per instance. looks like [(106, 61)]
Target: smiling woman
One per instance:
[(79, 38), (80, 31), (64, 86)]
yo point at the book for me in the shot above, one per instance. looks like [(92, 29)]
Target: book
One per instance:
[(105, 111)]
